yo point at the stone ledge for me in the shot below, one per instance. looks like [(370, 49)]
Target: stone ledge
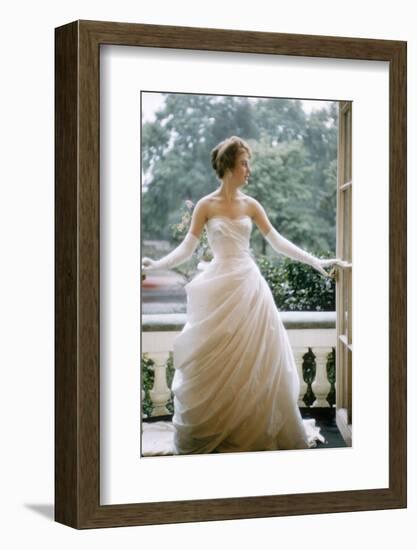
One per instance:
[(293, 320)]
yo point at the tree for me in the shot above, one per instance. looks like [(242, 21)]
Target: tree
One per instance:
[(279, 181), (294, 163), (176, 155)]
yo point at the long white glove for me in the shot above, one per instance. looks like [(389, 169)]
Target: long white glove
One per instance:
[(283, 246), (179, 255)]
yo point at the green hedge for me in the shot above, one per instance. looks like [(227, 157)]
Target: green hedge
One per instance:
[(296, 286)]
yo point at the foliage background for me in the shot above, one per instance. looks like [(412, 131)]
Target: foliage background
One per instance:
[(294, 171), (293, 165), (293, 176)]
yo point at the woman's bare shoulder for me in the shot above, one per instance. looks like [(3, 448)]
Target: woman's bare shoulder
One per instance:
[(203, 205), (254, 205), (208, 200)]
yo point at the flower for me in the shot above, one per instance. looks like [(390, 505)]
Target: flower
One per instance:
[(189, 204)]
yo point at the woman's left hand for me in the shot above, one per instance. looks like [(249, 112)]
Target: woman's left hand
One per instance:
[(320, 268), (321, 264), (327, 262)]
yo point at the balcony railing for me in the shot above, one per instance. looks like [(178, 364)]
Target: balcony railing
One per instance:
[(312, 336)]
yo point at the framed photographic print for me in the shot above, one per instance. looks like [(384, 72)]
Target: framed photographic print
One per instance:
[(156, 419)]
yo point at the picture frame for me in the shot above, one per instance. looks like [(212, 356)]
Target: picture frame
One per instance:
[(77, 272)]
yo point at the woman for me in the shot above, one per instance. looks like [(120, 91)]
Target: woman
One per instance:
[(236, 384)]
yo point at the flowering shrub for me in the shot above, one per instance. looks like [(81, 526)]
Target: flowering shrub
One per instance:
[(147, 383), (179, 231)]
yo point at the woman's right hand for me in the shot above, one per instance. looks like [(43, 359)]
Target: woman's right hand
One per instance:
[(148, 264)]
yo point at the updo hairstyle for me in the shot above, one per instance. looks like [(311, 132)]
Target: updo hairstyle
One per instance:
[(224, 155)]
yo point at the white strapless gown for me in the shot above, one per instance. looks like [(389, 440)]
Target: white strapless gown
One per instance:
[(236, 385)]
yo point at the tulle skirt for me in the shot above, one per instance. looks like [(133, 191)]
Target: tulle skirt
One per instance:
[(236, 385)]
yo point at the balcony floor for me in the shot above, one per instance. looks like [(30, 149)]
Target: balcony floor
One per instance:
[(326, 420), (158, 432)]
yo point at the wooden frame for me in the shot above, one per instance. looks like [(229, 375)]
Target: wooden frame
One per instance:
[(77, 374)]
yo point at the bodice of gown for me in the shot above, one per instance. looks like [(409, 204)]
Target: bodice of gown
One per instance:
[(229, 237)]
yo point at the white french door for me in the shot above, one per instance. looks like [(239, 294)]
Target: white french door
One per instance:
[(344, 275)]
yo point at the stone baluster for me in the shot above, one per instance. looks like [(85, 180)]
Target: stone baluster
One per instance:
[(160, 393), (298, 356), (321, 385)]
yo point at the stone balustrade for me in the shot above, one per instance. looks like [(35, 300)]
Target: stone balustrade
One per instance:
[(312, 336)]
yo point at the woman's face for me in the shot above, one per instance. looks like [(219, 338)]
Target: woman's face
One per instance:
[(241, 171)]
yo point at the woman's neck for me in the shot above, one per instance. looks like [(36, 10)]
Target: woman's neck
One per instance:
[(228, 192)]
